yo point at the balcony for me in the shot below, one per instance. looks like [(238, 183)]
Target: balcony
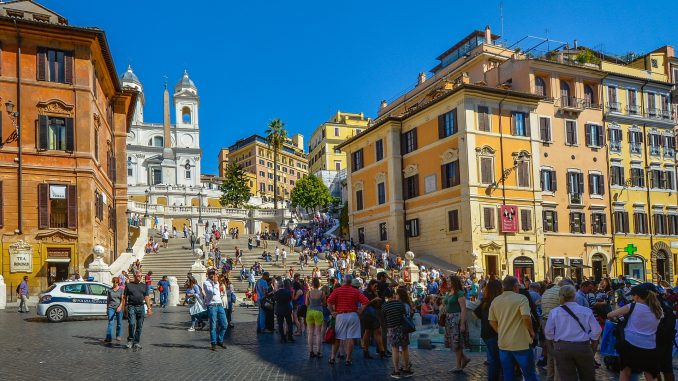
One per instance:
[(666, 115), (615, 146), (58, 219), (613, 106), (632, 109), (571, 103), (655, 150), (635, 147), (575, 198), (653, 112), (669, 153)]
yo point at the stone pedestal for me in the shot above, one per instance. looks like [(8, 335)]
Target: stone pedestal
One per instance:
[(410, 271), (174, 291), (3, 293), (98, 269), (198, 270)]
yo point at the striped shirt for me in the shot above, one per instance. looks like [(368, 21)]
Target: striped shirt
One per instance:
[(550, 300), (346, 299), (393, 313)]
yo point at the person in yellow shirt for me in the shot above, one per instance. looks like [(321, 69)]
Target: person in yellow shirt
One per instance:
[(509, 315)]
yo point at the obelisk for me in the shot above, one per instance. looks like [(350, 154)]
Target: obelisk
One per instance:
[(169, 168)]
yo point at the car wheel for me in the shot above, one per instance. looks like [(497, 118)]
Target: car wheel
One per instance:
[(56, 314)]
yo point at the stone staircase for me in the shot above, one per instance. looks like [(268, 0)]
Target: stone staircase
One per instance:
[(176, 260)]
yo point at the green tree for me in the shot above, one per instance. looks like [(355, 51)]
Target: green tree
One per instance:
[(311, 193), (235, 190), (276, 135)]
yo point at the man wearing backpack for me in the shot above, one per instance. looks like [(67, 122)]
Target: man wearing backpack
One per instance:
[(666, 338)]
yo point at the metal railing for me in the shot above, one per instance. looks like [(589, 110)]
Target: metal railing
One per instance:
[(615, 146), (613, 106), (635, 147), (571, 103), (655, 150), (575, 198), (632, 109), (58, 219)]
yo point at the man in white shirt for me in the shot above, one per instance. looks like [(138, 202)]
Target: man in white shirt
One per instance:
[(277, 253), (575, 333), (215, 310), (165, 237), (284, 256)]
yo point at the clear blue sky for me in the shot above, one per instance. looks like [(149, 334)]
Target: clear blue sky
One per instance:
[(303, 60)]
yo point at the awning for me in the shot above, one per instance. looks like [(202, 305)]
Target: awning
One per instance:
[(58, 260), (580, 266)]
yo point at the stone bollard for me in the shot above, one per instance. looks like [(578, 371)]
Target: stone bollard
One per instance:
[(174, 291), (98, 269), (3, 293)]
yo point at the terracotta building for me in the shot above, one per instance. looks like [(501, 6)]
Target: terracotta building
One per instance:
[(62, 154), (255, 156)]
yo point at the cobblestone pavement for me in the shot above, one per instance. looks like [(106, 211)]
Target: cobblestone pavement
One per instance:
[(34, 348)]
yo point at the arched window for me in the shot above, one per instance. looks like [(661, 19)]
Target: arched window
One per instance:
[(156, 141), (564, 92), (186, 115), (540, 86), (589, 99)]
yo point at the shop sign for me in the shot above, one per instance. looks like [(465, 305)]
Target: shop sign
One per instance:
[(58, 252), (523, 261), (557, 262), (20, 258), (576, 262), (57, 192), (509, 219)]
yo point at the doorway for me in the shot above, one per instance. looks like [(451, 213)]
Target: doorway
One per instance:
[(599, 269), (661, 264), (523, 267), (491, 265), (58, 272)]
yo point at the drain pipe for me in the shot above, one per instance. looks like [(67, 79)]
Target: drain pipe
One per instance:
[(20, 192)]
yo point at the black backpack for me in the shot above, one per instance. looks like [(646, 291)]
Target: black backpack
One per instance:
[(666, 330)]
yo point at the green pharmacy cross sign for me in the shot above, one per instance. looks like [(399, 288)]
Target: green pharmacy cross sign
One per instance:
[(630, 249)]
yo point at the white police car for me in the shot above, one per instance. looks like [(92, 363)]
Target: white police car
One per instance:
[(65, 299)]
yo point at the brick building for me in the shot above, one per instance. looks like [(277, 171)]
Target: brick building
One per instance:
[(62, 153)]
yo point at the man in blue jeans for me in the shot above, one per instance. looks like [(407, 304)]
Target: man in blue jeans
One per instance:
[(215, 310), (262, 291), (509, 316), (134, 297)]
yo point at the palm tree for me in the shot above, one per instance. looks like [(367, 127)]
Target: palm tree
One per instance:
[(276, 135)]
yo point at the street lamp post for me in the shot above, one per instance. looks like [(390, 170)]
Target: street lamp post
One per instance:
[(129, 231), (200, 206)]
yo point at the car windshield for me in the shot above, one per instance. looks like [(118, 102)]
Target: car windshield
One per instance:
[(50, 288)]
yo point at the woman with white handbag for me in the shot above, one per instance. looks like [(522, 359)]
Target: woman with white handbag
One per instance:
[(195, 297)]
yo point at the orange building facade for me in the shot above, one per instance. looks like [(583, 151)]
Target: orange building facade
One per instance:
[(62, 184)]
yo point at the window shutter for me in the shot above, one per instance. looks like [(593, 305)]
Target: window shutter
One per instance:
[(455, 127), (42, 64), (523, 220), (640, 137), (70, 135), (568, 179), (526, 124), (603, 218), (68, 67), (414, 139), (72, 197), (572, 223), (457, 176), (43, 206), (591, 183), (513, 124), (583, 223), (626, 222), (486, 170), (441, 126), (580, 178), (2, 202), (415, 179), (483, 124), (601, 136), (443, 176), (555, 222), (587, 130), (554, 182), (601, 185), (43, 138)]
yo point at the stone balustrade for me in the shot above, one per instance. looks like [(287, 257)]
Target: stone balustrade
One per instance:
[(208, 211)]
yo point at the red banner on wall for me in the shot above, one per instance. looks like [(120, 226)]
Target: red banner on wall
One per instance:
[(509, 219)]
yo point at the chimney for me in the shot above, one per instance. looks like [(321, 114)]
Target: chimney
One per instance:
[(166, 119), (383, 104), (488, 35), (422, 78)]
